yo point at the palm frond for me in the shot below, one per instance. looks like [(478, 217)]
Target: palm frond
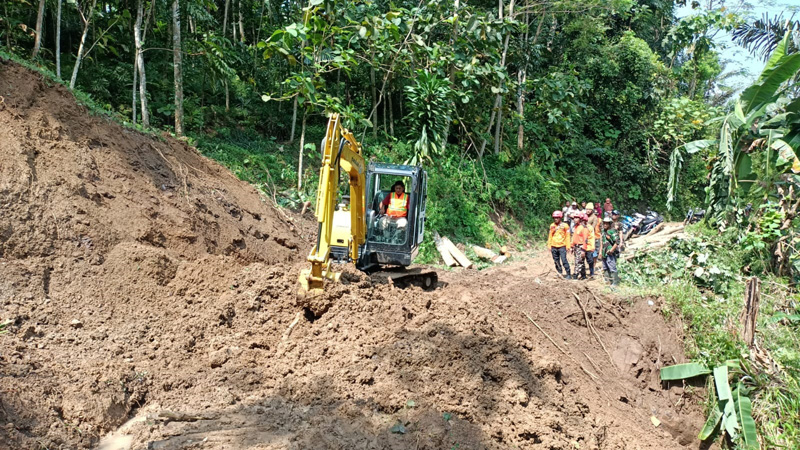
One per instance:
[(762, 36)]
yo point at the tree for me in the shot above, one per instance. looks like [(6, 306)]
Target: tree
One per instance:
[(86, 18), (38, 40), (177, 65), (58, 39), (139, 34), (765, 119)]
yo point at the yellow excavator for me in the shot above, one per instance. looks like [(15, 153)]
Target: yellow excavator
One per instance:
[(355, 229)]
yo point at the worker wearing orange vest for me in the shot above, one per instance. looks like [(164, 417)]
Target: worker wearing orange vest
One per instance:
[(395, 205), (558, 241), (579, 238), (593, 223)]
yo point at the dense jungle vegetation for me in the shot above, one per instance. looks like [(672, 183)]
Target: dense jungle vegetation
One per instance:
[(512, 106)]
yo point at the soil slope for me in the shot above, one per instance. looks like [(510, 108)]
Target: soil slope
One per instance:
[(152, 305)]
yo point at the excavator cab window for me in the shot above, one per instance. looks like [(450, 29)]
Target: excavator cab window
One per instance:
[(385, 229)]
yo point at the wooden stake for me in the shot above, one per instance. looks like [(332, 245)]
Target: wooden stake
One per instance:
[(752, 299), (591, 328)]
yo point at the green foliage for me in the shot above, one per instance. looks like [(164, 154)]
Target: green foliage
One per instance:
[(429, 100), (699, 278), (732, 411)]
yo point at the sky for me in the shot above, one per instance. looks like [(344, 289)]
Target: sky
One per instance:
[(735, 56)]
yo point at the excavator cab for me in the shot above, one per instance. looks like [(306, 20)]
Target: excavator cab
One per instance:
[(391, 241)]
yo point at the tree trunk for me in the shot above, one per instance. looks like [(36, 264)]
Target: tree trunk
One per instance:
[(37, 43), (177, 66), (391, 114), (294, 119), (374, 97), (58, 40), (227, 97), (8, 27), (138, 38), (521, 77), (225, 18), (498, 126), (749, 315), (241, 23), (87, 19), (300, 160), (499, 99), (135, 82)]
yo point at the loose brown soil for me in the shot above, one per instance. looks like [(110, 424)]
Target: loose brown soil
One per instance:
[(152, 305)]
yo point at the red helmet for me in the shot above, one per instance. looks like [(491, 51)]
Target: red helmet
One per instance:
[(558, 214), (584, 217)]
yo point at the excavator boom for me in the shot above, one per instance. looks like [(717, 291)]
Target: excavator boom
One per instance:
[(340, 152)]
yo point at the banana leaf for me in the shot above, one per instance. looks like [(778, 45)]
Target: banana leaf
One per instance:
[(780, 67), (744, 409), (683, 371), (729, 421), (721, 381), (712, 422)]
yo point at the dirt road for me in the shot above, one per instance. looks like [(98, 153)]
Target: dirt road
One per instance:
[(151, 305)]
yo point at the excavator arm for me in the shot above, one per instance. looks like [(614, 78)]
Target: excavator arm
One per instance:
[(340, 152)]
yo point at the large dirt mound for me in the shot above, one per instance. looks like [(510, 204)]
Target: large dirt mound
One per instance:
[(152, 299), (104, 226)]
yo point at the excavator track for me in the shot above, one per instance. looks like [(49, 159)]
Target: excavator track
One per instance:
[(405, 277)]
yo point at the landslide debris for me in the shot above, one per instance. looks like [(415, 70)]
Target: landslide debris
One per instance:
[(152, 305)]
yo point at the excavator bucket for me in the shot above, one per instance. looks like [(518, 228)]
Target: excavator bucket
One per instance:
[(310, 284)]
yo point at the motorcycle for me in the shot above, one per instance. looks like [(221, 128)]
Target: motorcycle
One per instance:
[(694, 216), (641, 224)]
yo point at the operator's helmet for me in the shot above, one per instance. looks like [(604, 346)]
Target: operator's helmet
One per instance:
[(583, 217), (607, 219), (558, 214), (590, 205), (615, 212)]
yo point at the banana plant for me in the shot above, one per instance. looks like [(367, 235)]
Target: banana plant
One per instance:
[(732, 412), (764, 118)]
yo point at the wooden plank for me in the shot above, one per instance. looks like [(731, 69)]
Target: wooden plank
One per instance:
[(442, 248), (457, 254)]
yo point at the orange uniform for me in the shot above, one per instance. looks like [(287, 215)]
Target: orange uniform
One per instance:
[(580, 236), (559, 236)]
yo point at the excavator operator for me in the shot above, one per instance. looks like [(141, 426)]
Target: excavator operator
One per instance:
[(395, 206)]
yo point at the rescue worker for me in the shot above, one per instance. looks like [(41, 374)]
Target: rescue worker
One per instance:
[(579, 237), (610, 251), (589, 246), (395, 206), (615, 216), (593, 224), (558, 241)]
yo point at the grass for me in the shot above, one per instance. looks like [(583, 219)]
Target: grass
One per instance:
[(708, 303)]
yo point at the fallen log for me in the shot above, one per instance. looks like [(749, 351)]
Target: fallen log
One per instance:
[(489, 255), (457, 254), (443, 250)]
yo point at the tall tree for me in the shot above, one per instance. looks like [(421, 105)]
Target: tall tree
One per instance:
[(225, 17), (86, 17), (58, 39), (139, 68), (177, 65), (37, 43)]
